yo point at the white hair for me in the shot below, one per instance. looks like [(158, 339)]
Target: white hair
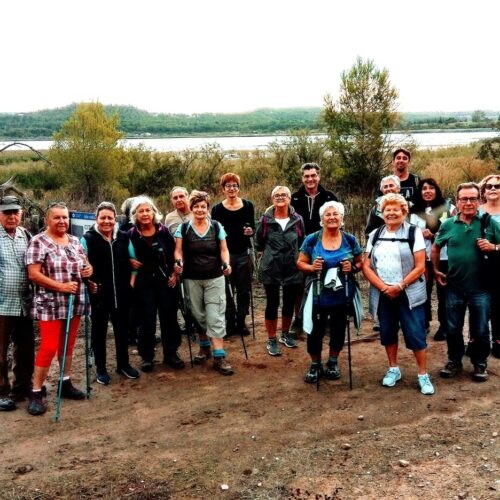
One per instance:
[(393, 178), (332, 204), (144, 200), (283, 188)]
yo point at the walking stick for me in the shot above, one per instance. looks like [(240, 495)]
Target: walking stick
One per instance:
[(317, 313), (187, 319), (231, 295), (348, 328), (87, 343), (63, 363), (253, 262)]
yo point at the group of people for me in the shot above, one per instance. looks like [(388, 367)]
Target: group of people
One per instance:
[(202, 257)]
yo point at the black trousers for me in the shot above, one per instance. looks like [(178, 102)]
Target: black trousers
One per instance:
[(336, 318)]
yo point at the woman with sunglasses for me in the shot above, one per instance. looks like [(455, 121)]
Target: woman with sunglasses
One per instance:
[(490, 198), (279, 234), (57, 265)]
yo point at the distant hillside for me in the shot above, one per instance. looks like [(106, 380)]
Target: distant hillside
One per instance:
[(137, 123)]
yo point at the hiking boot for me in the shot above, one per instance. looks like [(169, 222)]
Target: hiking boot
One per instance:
[(174, 360), (495, 349), (287, 339), (222, 366), (480, 374), (7, 404), (37, 405), (102, 377), (272, 347), (314, 373), (69, 391), (147, 366), (296, 326), (450, 370), (391, 377), (440, 335), (332, 370), (425, 384), (129, 372), (203, 354)]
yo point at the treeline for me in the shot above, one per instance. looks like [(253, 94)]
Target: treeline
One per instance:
[(137, 123)]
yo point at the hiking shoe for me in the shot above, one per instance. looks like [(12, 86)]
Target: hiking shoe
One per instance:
[(495, 349), (450, 370), (174, 360), (288, 340), (425, 384), (222, 366), (129, 372), (480, 374), (296, 326), (7, 404), (273, 348), (69, 391), (147, 366), (102, 377), (203, 354), (314, 373), (37, 405), (332, 370), (391, 377), (440, 335)]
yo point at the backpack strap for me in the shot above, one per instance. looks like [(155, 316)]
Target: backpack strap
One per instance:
[(485, 222), (410, 240)]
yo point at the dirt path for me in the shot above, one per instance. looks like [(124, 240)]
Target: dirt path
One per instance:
[(262, 432)]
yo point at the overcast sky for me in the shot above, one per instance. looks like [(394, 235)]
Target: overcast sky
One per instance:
[(188, 56)]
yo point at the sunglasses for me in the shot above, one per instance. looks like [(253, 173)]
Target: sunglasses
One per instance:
[(492, 186)]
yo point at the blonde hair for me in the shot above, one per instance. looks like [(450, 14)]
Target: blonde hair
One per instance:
[(198, 196), (483, 182), (394, 199)]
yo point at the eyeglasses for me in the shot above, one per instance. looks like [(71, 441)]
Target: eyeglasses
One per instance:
[(231, 186), (492, 186), (310, 176), (466, 199), (278, 196)]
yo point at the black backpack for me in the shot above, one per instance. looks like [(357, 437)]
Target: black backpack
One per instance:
[(410, 240)]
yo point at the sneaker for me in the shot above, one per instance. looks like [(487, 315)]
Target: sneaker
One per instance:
[(7, 404), (332, 370), (391, 377), (425, 384), (440, 335), (203, 354), (129, 372), (296, 326), (102, 377), (37, 405), (147, 366), (222, 366), (450, 370), (272, 347), (174, 361), (288, 340), (495, 349), (314, 373), (69, 391), (480, 374)]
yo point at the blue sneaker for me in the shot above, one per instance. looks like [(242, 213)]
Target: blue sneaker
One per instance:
[(425, 384), (273, 347), (288, 340), (391, 377)]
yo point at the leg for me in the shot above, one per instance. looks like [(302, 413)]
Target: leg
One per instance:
[(242, 280), (455, 313), (98, 334), (428, 286), (388, 314), (148, 305), (479, 313), (271, 318), (23, 339), (119, 320), (441, 296), (215, 307), (5, 330)]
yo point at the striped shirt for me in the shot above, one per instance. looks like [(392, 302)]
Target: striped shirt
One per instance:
[(61, 263), (15, 293)]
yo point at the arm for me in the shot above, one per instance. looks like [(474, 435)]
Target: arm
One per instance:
[(178, 257), (435, 253), (224, 255), (304, 264), (35, 274)]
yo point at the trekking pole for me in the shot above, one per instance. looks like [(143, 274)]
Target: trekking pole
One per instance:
[(231, 295), (187, 319), (63, 362), (346, 275), (253, 262), (318, 293), (87, 342)]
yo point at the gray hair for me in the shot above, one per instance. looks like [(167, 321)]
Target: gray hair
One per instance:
[(284, 188), (126, 206), (144, 200), (105, 205), (179, 188), (332, 204), (394, 178)]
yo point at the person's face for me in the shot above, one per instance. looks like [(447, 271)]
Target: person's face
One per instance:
[(145, 214), (332, 219), (231, 189), (389, 186), (179, 200), (468, 201), (58, 220), (200, 210), (393, 214), (492, 189), (310, 178), (106, 221), (428, 193), (401, 163), (10, 219), (280, 199)]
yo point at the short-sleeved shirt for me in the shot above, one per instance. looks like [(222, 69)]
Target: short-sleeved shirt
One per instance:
[(15, 293), (464, 256), (60, 263), (175, 218)]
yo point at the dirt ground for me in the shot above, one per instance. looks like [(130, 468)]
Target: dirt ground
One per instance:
[(261, 433)]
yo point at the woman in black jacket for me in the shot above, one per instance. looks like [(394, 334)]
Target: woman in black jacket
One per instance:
[(107, 250)]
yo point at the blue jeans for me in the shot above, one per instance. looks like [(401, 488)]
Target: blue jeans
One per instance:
[(478, 303)]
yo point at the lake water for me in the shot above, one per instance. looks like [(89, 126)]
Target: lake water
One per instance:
[(424, 140)]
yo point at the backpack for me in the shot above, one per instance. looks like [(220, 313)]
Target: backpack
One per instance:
[(213, 223), (410, 240), (490, 261)]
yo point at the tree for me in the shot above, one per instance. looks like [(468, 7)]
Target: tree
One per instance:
[(359, 123), (87, 153), (478, 116)]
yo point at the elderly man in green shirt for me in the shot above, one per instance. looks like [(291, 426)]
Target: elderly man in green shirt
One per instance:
[(468, 242)]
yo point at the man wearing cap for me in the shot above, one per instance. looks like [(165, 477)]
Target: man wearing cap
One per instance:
[(15, 300), (401, 168)]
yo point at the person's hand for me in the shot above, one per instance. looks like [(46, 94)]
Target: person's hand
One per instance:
[(93, 287), (86, 271), (226, 269), (317, 264), (346, 266), (136, 264), (69, 287), (427, 234), (440, 278), (485, 246), (392, 291), (178, 267), (172, 281), (248, 231)]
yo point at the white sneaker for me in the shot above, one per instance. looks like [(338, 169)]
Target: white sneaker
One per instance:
[(391, 377), (425, 384)]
